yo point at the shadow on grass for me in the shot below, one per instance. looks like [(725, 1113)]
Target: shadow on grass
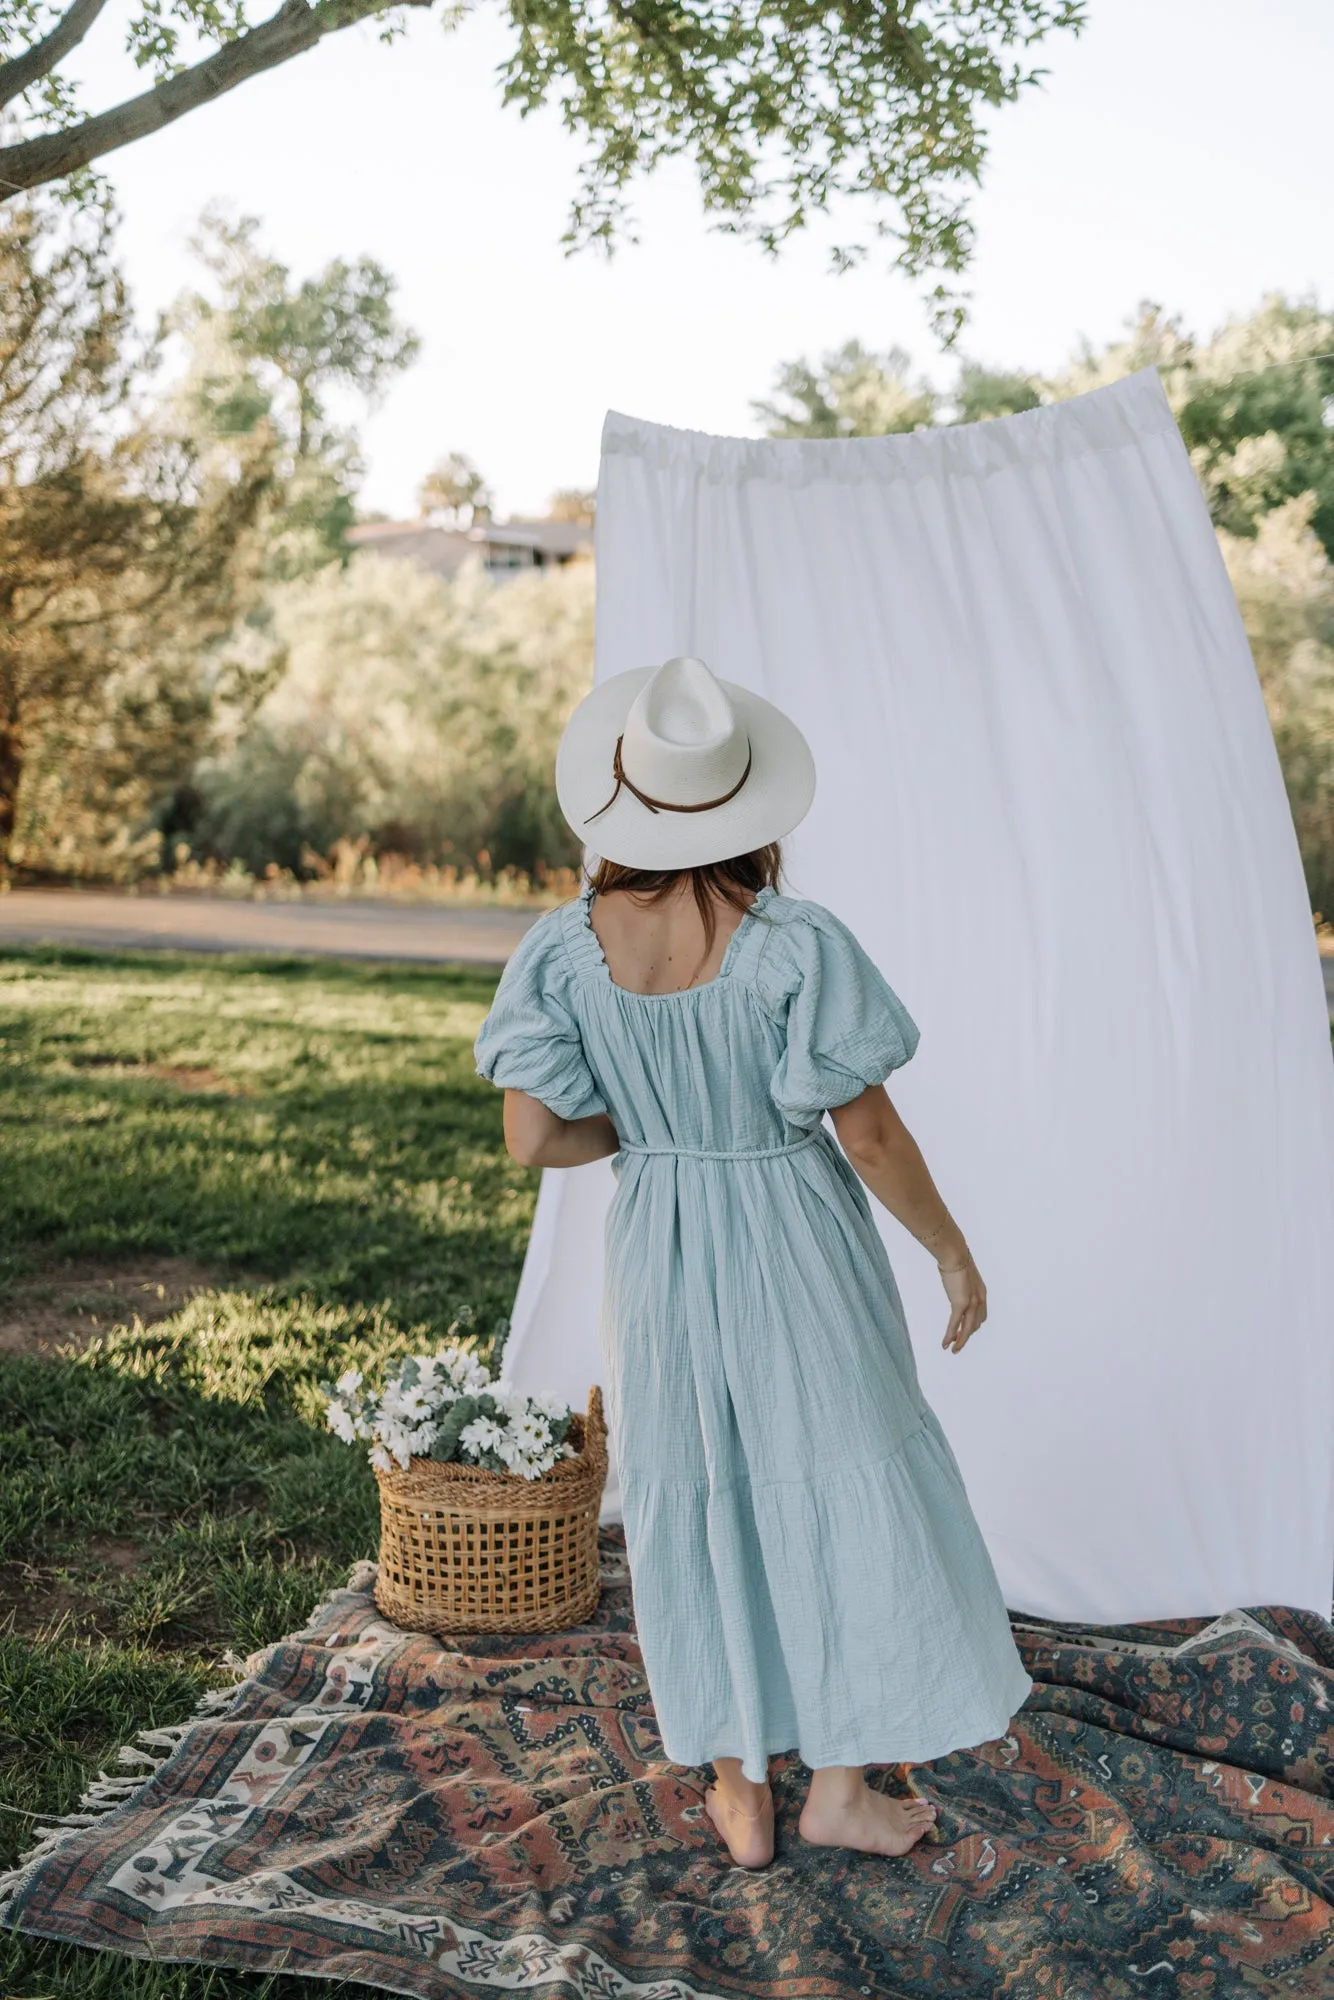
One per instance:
[(175, 1484), (171, 1492)]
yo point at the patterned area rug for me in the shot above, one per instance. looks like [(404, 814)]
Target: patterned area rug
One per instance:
[(375, 1807)]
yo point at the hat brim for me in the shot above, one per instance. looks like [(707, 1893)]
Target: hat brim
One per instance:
[(776, 796)]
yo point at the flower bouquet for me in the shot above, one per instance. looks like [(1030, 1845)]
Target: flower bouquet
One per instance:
[(447, 1408), (489, 1498)]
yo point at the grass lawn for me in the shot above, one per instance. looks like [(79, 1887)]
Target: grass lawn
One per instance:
[(221, 1181)]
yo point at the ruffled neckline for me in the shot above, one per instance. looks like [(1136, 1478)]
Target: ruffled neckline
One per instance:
[(587, 949)]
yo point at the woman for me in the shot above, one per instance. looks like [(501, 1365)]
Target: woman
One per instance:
[(807, 1572)]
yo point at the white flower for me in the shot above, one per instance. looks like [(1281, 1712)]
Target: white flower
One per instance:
[(516, 1456), (533, 1432), (512, 1401), (349, 1382), (396, 1439), (380, 1458), (483, 1434), (467, 1373), (548, 1405), (341, 1423), (407, 1407), (521, 1458)]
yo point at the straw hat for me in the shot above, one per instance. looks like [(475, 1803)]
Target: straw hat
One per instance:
[(669, 767)]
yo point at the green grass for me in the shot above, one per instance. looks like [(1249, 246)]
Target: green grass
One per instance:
[(314, 1137)]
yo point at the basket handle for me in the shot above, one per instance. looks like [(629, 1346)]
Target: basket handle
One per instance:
[(595, 1426)]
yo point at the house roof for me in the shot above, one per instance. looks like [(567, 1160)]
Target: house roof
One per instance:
[(445, 550), (555, 538)]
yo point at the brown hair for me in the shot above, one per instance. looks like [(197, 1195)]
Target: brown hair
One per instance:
[(735, 882)]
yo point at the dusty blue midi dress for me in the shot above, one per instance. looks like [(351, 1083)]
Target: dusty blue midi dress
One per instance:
[(807, 1571)]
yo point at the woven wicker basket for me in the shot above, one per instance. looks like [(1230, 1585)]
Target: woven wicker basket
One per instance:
[(466, 1550)]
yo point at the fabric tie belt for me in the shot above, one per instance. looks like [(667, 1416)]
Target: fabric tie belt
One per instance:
[(707, 1153)]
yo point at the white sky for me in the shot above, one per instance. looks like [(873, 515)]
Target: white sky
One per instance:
[(1179, 151)]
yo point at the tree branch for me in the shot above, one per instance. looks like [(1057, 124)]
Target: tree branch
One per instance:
[(295, 28), (21, 72)]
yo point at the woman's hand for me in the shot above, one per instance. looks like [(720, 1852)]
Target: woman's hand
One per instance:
[(883, 1153), (968, 1302)]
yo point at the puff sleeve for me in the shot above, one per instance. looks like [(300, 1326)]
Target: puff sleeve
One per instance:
[(530, 1040), (845, 1027)]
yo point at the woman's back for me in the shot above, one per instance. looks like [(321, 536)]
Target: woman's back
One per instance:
[(794, 1019), (662, 946)]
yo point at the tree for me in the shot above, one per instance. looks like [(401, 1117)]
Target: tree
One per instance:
[(1285, 586), (850, 393), (573, 503), (1254, 404), (122, 542), (782, 108), (415, 714), (455, 492), (271, 351), (992, 392), (1260, 434)]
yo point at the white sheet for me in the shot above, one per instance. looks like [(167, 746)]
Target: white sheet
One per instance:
[(1049, 804)]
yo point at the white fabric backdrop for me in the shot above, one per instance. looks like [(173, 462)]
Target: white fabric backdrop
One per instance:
[(1049, 805)]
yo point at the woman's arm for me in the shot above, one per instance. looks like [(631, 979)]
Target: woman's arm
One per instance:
[(536, 1137), (883, 1153)]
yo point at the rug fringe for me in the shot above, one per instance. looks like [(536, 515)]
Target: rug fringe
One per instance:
[(145, 1756)]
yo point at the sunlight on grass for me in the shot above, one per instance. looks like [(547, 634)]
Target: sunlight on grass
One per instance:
[(313, 1138)]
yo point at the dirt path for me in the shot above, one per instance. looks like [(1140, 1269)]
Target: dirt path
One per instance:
[(430, 932), (433, 933)]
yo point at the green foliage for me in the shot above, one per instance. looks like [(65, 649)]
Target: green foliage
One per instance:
[(270, 351), (1261, 437), (783, 109), (1253, 403), (1285, 586), (981, 392), (1259, 434), (138, 533), (172, 1491), (573, 503), (445, 1444), (418, 714), (852, 393), (455, 492), (126, 546)]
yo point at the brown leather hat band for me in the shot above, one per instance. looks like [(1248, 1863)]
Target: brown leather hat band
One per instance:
[(662, 805)]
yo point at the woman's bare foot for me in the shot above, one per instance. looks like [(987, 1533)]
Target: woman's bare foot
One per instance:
[(743, 1813), (843, 1811)]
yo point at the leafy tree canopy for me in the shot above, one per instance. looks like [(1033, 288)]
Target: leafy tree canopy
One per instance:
[(782, 108), (573, 503), (267, 350), (851, 393), (126, 542), (1255, 402), (455, 492)]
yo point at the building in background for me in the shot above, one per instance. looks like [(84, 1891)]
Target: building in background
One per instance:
[(505, 549)]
